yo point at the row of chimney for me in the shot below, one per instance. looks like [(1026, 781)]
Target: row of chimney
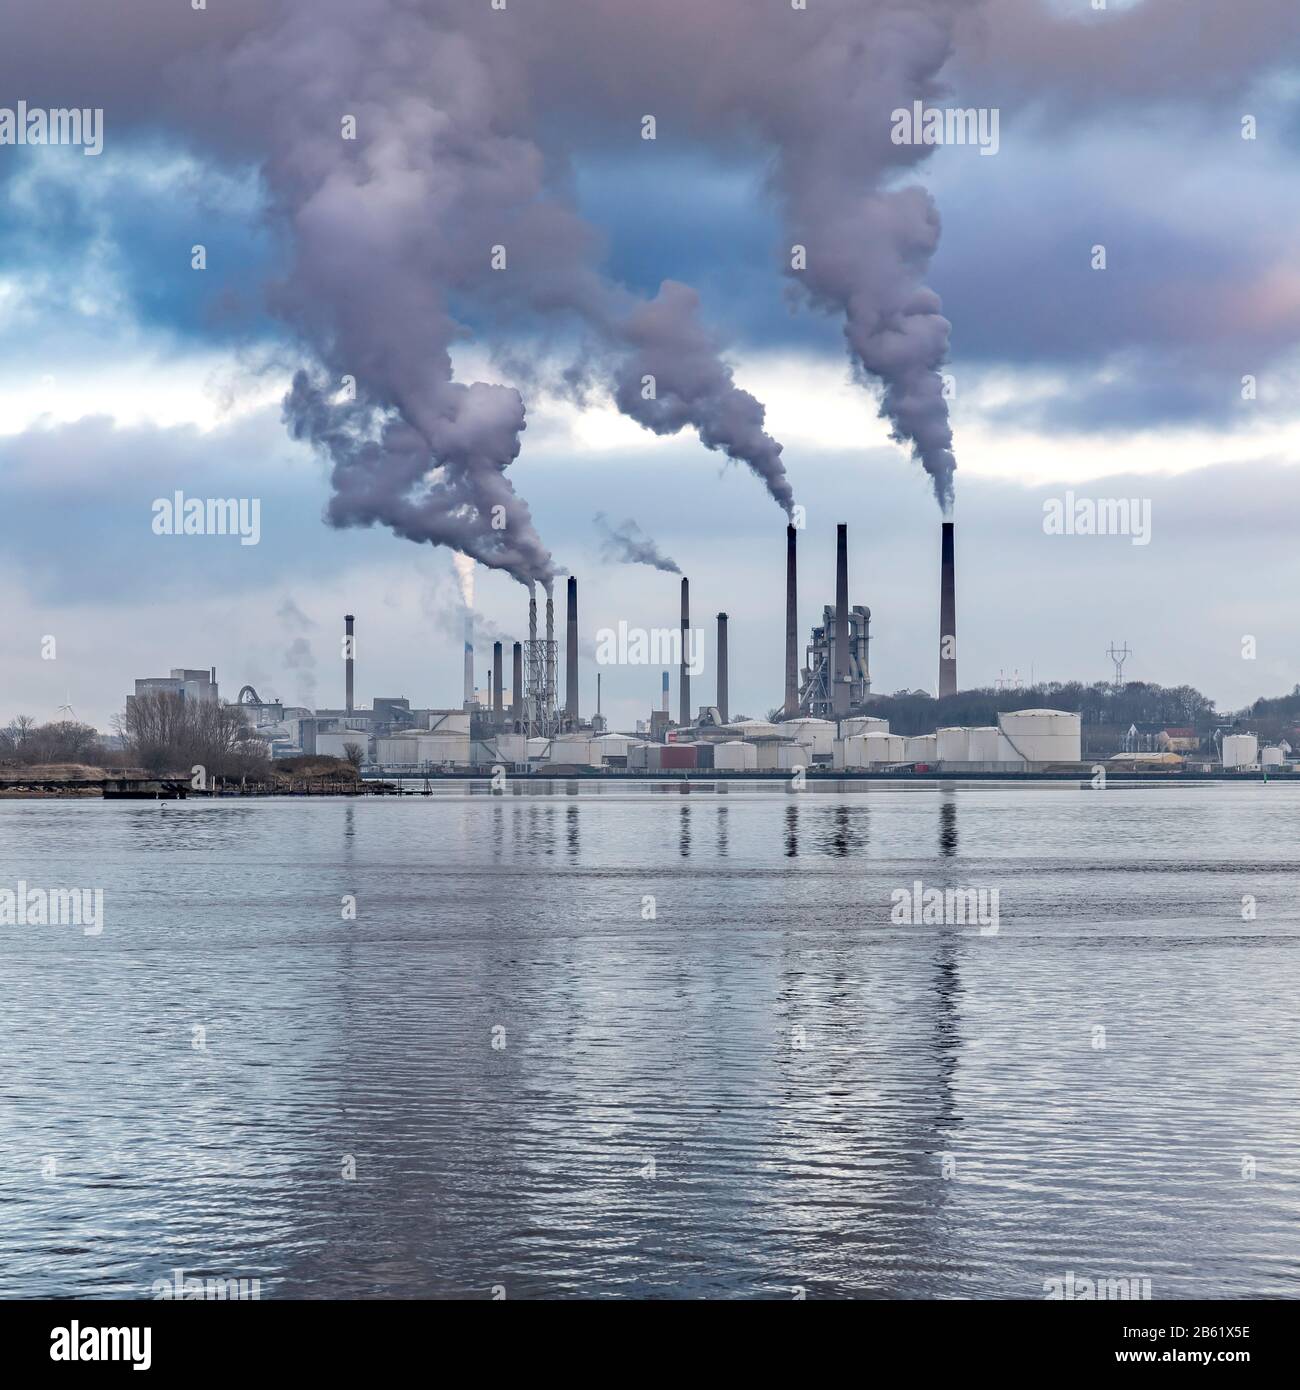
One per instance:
[(841, 682)]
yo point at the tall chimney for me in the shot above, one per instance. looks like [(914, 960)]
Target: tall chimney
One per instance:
[(469, 658), (664, 698), (947, 616), (349, 654), (722, 667), (791, 626), (498, 707), (571, 658), (548, 695), (534, 666), (684, 678), (517, 685), (840, 688)]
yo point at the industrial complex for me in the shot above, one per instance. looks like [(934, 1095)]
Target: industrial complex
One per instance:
[(521, 720)]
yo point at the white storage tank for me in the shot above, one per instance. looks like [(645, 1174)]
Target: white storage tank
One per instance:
[(862, 724), (883, 748), (1240, 750), (1040, 736), (982, 744), (953, 745), (574, 749), (537, 748), (735, 756), (1272, 757), (442, 748), (850, 753), (778, 755), (816, 735), (924, 748), (453, 721), (400, 748)]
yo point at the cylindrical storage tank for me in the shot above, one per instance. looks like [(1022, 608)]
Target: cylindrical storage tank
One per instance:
[(735, 757), (982, 744), (774, 754), (1272, 757), (674, 757), (853, 752), (537, 747), (924, 748), (953, 745), (863, 724), (1240, 750), (882, 748), (816, 735), (1041, 735)]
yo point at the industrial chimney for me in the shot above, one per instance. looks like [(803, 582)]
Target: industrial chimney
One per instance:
[(791, 627), (548, 694), (684, 679), (469, 659), (498, 707), (517, 686), (840, 688), (947, 616), (533, 715), (722, 667), (571, 658), (349, 654)]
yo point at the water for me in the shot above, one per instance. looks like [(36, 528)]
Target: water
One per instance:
[(649, 1123)]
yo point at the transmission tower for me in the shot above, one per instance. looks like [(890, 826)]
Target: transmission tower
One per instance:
[(1119, 655)]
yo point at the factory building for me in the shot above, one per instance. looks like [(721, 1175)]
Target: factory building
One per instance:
[(188, 684)]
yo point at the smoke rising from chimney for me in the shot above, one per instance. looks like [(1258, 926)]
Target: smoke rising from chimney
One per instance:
[(630, 545)]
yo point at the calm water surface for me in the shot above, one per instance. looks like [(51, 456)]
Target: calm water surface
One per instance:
[(757, 1084)]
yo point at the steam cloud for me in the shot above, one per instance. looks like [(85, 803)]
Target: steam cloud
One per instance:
[(630, 545), (391, 225)]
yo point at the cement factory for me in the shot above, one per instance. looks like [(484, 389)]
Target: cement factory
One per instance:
[(520, 722)]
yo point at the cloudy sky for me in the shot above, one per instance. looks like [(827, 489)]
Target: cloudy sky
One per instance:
[(127, 374)]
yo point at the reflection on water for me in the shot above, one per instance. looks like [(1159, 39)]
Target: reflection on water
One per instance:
[(764, 1083)]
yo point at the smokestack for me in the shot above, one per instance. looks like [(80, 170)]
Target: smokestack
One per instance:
[(722, 667), (533, 665), (548, 695), (571, 658), (947, 615), (840, 688), (349, 652), (517, 684), (664, 701), (498, 705), (791, 626), (684, 679), (469, 659)]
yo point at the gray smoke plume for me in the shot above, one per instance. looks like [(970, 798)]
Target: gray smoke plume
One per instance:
[(631, 546), (409, 174)]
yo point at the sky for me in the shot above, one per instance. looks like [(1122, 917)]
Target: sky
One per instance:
[(126, 374)]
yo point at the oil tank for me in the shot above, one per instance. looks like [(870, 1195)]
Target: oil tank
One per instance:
[(815, 735), (780, 755), (1240, 750), (982, 744), (1272, 757), (1039, 736), (953, 745), (883, 748), (924, 748), (678, 757), (735, 756)]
